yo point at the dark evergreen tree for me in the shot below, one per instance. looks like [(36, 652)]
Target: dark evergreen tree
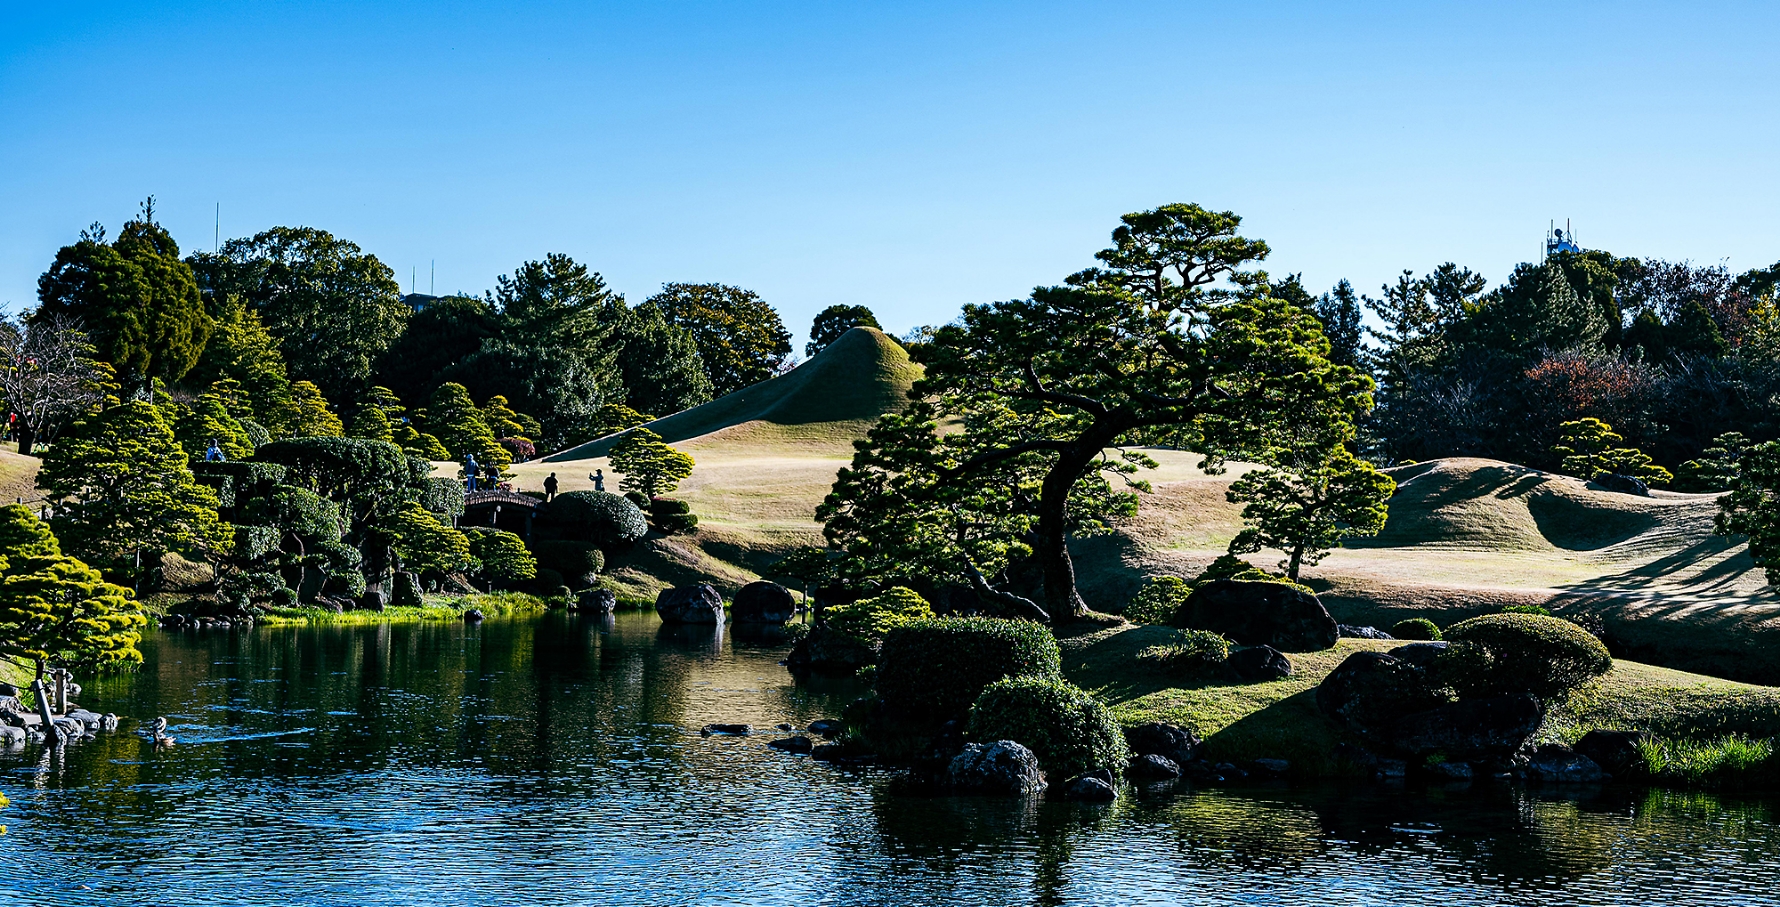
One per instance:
[(1339, 311), (832, 322)]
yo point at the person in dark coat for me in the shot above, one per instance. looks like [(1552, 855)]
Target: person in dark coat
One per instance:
[(550, 488)]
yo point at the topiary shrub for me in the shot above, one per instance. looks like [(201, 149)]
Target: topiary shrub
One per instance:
[(1160, 600), (284, 597), (600, 517), (504, 557), (638, 498), (1416, 628), (1522, 653), (1068, 730), (1198, 654), (349, 583), (937, 668), (580, 563), (868, 619), (672, 517), (1538, 610), (546, 583)]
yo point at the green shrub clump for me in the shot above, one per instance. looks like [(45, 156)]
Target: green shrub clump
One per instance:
[(868, 619), (580, 563), (1197, 654), (672, 517), (1523, 653), (1160, 600), (937, 668), (504, 556), (1417, 628), (1536, 610), (600, 517), (1068, 730)]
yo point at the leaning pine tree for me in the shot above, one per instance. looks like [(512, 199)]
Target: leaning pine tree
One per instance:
[(55, 609), (1142, 352)]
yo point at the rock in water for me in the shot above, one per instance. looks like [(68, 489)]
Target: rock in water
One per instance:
[(727, 730), (798, 744), (407, 590), (763, 603), (827, 728), (1470, 729), (1555, 763), (597, 601), (826, 651), (1262, 614), (1257, 664), (1090, 789), (1614, 751), (1151, 767), (1000, 768), (696, 604), (1176, 744), (472, 616)]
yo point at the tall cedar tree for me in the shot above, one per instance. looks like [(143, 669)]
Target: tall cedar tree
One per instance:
[(1142, 351), (138, 303), (123, 489), (1753, 507), (741, 339), (243, 350)]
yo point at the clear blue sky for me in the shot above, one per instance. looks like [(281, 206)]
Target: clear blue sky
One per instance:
[(910, 157)]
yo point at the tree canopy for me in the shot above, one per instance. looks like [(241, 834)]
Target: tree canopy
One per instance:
[(740, 338), (335, 307), (1144, 350), (56, 609), (832, 322)]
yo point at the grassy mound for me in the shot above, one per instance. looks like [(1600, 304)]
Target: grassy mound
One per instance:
[(842, 389)]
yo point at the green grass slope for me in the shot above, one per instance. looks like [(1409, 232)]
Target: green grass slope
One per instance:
[(832, 398), (1279, 719)]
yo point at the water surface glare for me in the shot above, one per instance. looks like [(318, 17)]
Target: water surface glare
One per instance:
[(556, 760)]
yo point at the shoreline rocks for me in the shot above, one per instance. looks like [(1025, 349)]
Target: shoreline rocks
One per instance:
[(695, 604), (763, 603)]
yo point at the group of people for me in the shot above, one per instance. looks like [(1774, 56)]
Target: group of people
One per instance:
[(492, 477)]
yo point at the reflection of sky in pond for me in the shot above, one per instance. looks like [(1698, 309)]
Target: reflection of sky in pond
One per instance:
[(553, 762)]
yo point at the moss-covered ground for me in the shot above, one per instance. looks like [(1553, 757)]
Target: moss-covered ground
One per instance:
[(1279, 719)]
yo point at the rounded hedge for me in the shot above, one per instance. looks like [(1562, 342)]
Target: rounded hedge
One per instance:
[(1196, 654), (1526, 653), (580, 562), (600, 517), (937, 668), (1416, 628), (1068, 730)]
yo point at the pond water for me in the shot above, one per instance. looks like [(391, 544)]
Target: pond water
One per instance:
[(555, 760)]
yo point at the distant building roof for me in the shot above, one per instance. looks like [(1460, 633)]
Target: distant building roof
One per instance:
[(419, 301)]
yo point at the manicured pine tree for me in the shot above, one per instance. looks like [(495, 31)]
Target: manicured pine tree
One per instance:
[(458, 423), (1590, 447), (207, 419), (123, 493), (649, 466), (310, 415), (1718, 467), (1308, 503), (428, 545), (53, 608)]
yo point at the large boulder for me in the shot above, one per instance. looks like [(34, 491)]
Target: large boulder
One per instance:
[(1555, 763), (1285, 617), (1614, 751), (1258, 664), (598, 602), (763, 603), (999, 768), (1623, 484), (372, 600), (695, 604), (826, 651), (1176, 744), (1366, 695), (1470, 729), (406, 593)]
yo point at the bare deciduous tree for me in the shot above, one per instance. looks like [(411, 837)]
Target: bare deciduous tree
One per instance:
[(48, 376)]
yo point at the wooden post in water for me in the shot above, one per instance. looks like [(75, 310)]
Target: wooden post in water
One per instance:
[(39, 693), (61, 691)]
